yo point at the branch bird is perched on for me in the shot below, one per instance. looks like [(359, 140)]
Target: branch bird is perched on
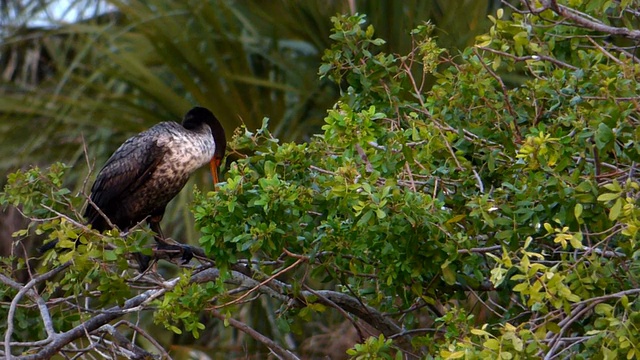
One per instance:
[(150, 169)]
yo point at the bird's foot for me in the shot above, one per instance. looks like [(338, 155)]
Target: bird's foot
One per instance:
[(187, 254), (173, 249)]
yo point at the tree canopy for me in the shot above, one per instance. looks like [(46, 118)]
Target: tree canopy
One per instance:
[(492, 215)]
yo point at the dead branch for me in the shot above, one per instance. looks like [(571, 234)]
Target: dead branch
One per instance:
[(28, 289), (61, 340)]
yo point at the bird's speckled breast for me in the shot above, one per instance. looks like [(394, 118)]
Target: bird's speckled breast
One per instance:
[(185, 152)]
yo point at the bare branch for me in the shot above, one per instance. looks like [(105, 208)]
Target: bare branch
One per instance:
[(96, 322), (281, 291), (269, 279), (123, 342), (480, 250), (339, 309), (21, 292)]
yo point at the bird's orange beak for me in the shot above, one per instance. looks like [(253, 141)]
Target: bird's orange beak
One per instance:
[(215, 164)]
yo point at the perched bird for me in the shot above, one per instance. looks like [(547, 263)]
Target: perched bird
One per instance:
[(150, 169)]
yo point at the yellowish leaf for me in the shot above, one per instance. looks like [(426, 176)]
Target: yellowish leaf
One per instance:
[(608, 197), (577, 210), (576, 240), (480, 332), (456, 355)]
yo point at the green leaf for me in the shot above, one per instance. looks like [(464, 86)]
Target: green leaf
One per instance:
[(521, 287), (110, 255), (614, 186), (456, 355), (604, 136), (449, 275), (604, 309), (492, 344), (576, 240), (615, 209)]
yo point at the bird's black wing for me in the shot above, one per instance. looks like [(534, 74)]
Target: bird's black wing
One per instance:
[(129, 167)]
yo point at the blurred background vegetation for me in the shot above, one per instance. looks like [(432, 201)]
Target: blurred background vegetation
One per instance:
[(110, 68)]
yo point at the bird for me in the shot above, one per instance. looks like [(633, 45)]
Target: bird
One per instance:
[(149, 169)]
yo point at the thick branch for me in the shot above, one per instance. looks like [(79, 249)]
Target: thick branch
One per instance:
[(581, 19)]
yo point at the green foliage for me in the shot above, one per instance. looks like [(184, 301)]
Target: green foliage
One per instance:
[(98, 81), (111, 75), (284, 198), (414, 196)]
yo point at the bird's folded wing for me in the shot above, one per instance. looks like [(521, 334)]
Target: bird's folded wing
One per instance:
[(128, 168)]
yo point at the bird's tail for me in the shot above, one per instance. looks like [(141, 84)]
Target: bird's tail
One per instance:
[(96, 220), (47, 246)]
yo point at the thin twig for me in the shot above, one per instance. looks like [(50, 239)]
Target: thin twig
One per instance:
[(321, 170), (269, 279), (480, 250), (565, 325), (275, 348), (530, 57), (85, 151), (139, 330), (604, 51), (340, 310), (505, 93)]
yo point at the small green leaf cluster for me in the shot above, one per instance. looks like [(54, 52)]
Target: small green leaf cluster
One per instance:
[(183, 304), (374, 348), (355, 48), (31, 189)]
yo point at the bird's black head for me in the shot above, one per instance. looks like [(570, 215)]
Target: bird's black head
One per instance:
[(198, 116)]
